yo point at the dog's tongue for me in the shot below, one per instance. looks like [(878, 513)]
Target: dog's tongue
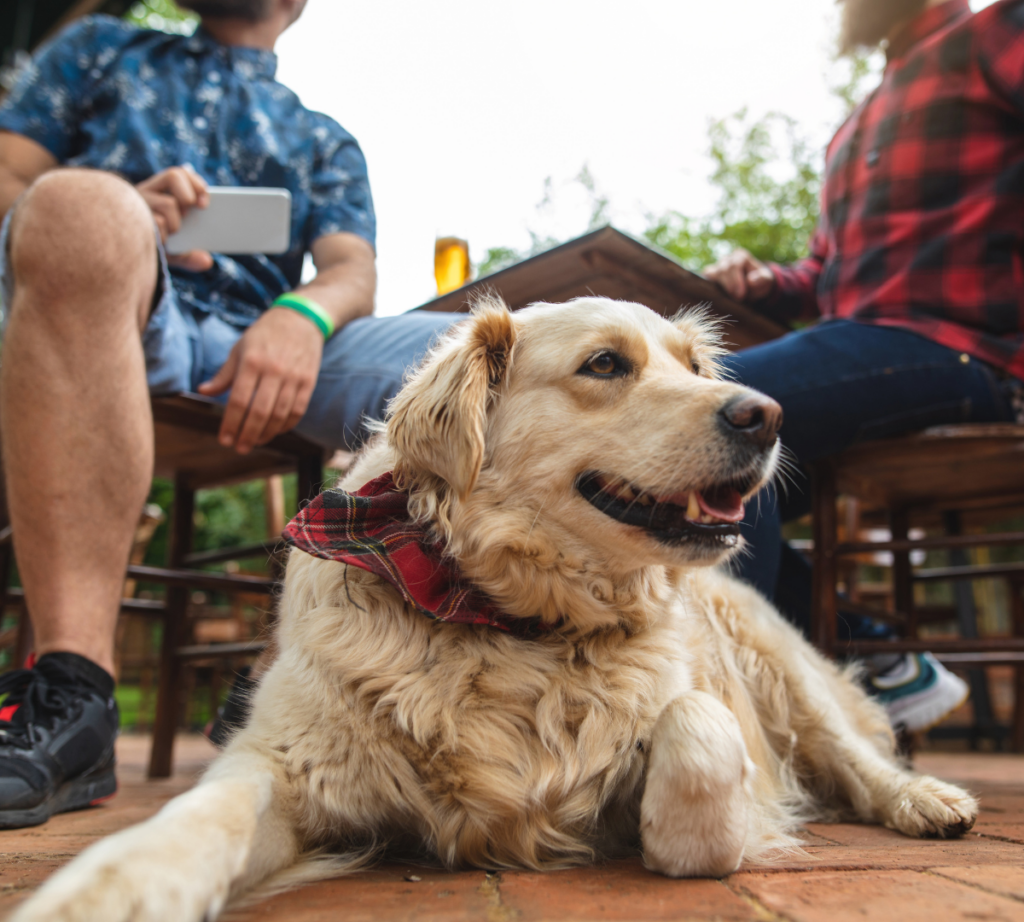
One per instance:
[(723, 503)]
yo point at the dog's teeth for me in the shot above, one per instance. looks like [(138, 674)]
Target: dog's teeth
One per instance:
[(644, 499), (693, 508), (626, 493), (706, 519)]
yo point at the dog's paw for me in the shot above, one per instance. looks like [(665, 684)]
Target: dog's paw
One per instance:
[(694, 814), (115, 895), (129, 877), (929, 808)]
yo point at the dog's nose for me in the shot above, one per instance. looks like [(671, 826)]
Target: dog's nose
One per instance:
[(758, 417)]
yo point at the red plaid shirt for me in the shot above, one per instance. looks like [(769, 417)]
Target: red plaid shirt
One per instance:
[(922, 219)]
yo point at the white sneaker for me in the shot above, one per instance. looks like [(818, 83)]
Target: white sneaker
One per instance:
[(918, 691)]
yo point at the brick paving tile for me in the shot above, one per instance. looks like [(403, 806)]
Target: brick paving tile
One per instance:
[(1007, 880), (385, 894), (856, 834), (848, 845), (1006, 806), (818, 837), (972, 768), (917, 854), (619, 891), (19, 875), (879, 896), (1012, 832)]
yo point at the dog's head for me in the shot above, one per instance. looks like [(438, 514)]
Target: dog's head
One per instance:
[(594, 431)]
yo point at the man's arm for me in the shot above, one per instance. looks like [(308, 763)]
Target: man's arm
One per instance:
[(22, 161), (346, 277), (273, 368)]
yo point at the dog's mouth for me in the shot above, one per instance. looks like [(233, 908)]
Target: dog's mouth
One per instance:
[(711, 513)]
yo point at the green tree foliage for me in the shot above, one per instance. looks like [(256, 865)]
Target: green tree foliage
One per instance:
[(767, 176), (768, 181), (164, 15)]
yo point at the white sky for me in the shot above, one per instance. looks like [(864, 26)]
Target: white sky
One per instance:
[(464, 108)]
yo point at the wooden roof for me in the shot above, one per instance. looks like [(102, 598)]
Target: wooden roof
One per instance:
[(611, 264)]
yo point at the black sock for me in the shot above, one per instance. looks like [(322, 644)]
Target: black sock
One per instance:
[(81, 668)]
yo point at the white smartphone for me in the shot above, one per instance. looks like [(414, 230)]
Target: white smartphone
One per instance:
[(239, 219)]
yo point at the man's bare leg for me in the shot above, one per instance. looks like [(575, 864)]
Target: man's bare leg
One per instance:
[(74, 406)]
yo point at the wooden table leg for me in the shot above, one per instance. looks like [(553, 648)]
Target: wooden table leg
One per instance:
[(824, 614)]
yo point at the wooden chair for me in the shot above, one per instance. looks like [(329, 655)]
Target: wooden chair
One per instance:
[(953, 479), (188, 453)]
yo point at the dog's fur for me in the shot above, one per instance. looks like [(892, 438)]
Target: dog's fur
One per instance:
[(670, 709)]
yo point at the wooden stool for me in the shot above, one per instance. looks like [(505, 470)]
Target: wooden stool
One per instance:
[(188, 453), (954, 477)]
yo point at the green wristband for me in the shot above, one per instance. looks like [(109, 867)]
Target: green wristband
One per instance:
[(310, 310)]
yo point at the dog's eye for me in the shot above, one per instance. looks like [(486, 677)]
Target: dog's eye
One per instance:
[(605, 365), (696, 368)]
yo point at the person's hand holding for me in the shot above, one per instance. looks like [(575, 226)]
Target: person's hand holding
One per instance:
[(742, 277), (271, 372), (171, 194)]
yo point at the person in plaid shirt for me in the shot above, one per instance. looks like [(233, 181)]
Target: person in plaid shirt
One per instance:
[(916, 270)]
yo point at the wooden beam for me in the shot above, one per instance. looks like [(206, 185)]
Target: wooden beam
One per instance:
[(200, 579), (995, 539)]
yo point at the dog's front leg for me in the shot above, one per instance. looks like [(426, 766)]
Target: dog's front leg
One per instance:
[(694, 816), (182, 864)]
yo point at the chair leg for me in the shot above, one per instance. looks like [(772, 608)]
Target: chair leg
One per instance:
[(824, 614), (967, 618), (168, 696), (1017, 727), (902, 579)]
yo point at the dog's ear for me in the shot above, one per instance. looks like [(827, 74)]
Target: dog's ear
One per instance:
[(436, 423), (705, 333)]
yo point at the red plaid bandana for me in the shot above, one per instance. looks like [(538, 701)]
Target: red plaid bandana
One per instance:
[(371, 529)]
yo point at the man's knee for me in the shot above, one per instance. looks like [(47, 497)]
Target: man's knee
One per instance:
[(81, 231)]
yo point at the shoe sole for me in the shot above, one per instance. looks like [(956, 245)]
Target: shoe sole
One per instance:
[(76, 794)]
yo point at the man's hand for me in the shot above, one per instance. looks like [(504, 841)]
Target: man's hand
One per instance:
[(743, 277), (271, 371), (273, 368), (171, 194)]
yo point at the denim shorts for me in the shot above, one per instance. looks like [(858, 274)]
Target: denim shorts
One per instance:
[(363, 364)]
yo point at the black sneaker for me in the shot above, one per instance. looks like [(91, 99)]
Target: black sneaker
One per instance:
[(58, 723)]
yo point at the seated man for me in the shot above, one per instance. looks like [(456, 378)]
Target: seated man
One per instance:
[(916, 268), (98, 318)]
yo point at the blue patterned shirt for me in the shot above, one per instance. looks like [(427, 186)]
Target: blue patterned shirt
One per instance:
[(109, 95)]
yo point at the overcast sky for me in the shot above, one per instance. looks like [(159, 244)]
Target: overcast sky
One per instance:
[(463, 109)]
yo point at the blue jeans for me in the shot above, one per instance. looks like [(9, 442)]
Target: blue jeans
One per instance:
[(363, 364), (841, 382)]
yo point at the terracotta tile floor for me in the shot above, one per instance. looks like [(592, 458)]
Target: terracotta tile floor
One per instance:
[(851, 872)]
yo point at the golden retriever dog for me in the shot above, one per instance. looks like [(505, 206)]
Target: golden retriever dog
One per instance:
[(584, 468)]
